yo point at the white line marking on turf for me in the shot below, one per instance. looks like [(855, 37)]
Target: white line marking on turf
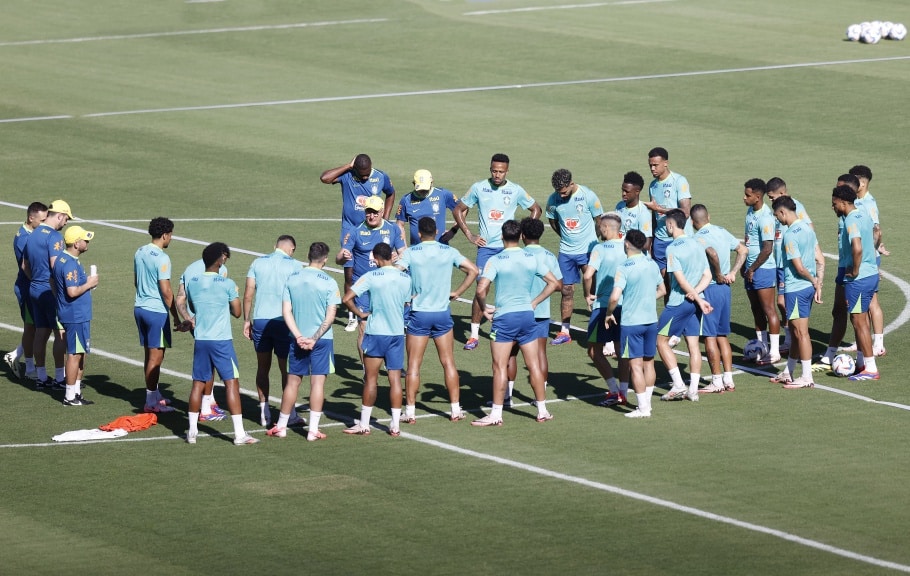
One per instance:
[(261, 28), (663, 503), (444, 91), (35, 119), (563, 7)]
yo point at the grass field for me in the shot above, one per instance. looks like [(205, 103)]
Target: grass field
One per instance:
[(221, 115)]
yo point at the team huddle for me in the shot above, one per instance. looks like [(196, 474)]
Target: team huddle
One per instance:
[(398, 285)]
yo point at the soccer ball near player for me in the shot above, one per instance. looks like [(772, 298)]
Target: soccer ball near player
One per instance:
[(898, 32), (843, 365), (871, 36), (754, 350), (854, 32)]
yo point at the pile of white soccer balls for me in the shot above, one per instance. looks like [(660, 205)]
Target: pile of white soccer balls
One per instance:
[(872, 32)]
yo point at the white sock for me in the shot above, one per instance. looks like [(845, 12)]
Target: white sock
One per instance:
[(314, 421), (541, 407), (870, 364), (396, 418), (649, 395), (693, 382), (207, 404), (511, 387), (410, 410), (194, 423), (475, 330), (59, 374), (717, 380), (728, 378), (456, 408), (365, 412), (878, 340), (612, 385), (350, 315), (496, 412), (239, 432), (775, 344), (761, 335), (807, 368), (70, 392), (677, 378), (283, 420), (78, 386), (566, 326), (643, 403)]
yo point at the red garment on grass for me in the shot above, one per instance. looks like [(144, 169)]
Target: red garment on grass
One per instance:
[(132, 423)]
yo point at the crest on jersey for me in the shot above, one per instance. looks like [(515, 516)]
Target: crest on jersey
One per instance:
[(435, 207), (506, 200)]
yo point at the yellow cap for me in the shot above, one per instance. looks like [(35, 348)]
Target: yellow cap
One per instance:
[(74, 234), (61, 207), (423, 181), (374, 203)]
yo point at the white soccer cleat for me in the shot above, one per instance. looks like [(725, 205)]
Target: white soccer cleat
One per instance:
[(637, 413), (351, 325)]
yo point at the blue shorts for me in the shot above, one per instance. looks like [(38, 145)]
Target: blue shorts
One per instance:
[(799, 304), (570, 265), (43, 307), (363, 301), (542, 327), (319, 361), (514, 327), (432, 324), (717, 323), (484, 254), (841, 271), (763, 278), (271, 335), (214, 354), (389, 348), (659, 252), (25, 309), (78, 337), (600, 334), (859, 293), (680, 320), (154, 328), (780, 280), (639, 341)]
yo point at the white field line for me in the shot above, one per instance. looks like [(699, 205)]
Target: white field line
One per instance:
[(563, 7), (444, 91), (228, 30)]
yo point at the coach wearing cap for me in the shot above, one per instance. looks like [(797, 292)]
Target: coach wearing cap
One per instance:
[(429, 201)]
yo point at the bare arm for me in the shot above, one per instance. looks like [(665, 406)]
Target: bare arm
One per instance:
[(552, 286), (470, 274), (535, 211), (741, 254), (76, 291), (235, 308), (332, 175), (167, 295), (348, 301), (555, 226), (459, 213), (248, 292)]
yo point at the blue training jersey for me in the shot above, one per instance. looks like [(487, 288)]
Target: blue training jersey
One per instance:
[(759, 229), (538, 283), (575, 217), (68, 271), (19, 242), (799, 244), (513, 270), (638, 278), (209, 296), (431, 265), (667, 193), (858, 224), (869, 205), (779, 230), (43, 244), (390, 290), (684, 255), (606, 258), (150, 265), (637, 218), (411, 209), (271, 272), (354, 194), (311, 292), (719, 238), (361, 240), (495, 205)]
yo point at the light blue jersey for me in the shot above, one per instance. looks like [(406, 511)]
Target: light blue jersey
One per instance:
[(759, 229), (780, 229), (150, 265), (637, 218), (858, 224), (606, 258), (667, 193), (513, 271), (719, 238), (310, 292), (431, 265), (271, 272), (799, 243), (575, 217), (390, 290), (209, 296), (68, 272), (686, 255), (868, 204), (495, 205), (638, 278), (548, 259)]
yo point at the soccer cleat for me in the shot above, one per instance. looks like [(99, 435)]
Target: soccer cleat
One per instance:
[(408, 420), (190, 438), (33, 376), (77, 401), (486, 421), (801, 382), (561, 338), (245, 440), (394, 432), (823, 365), (713, 389), (781, 378), (692, 396), (296, 420), (358, 430), (674, 394), (314, 436), (59, 385), (277, 432), (545, 417), (45, 385), (351, 325), (161, 399), (863, 375), (212, 417), (458, 416), (216, 409), (879, 351), (157, 408), (471, 344), (613, 399), (673, 341), (13, 362), (768, 359), (637, 413), (729, 386)]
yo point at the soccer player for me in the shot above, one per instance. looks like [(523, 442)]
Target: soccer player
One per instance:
[(606, 258), (35, 215), (687, 268), (633, 213), (513, 271), (571, 210), (263, 322), (638, 284), (359, 181), (717, 243), (431, 265), (801, 289), (214, 299), (776, 188), (308, 306), (389, 290), (860, 276), (668, 191), (866, 202), (427, 200), (497, 200), (359, 244), (154, 299), (42, 249), (760, 273), (73, 290)]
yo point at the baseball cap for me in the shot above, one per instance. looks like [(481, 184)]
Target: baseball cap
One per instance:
[(374, 203), (61, 207), (423, 180), (74, 234)]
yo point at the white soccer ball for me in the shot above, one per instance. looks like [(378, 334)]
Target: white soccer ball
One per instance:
[(843, 365), (754, 350), (854, 31), (871, 36), (898, 32), (885, 28), (865, 25), (876, 25)]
